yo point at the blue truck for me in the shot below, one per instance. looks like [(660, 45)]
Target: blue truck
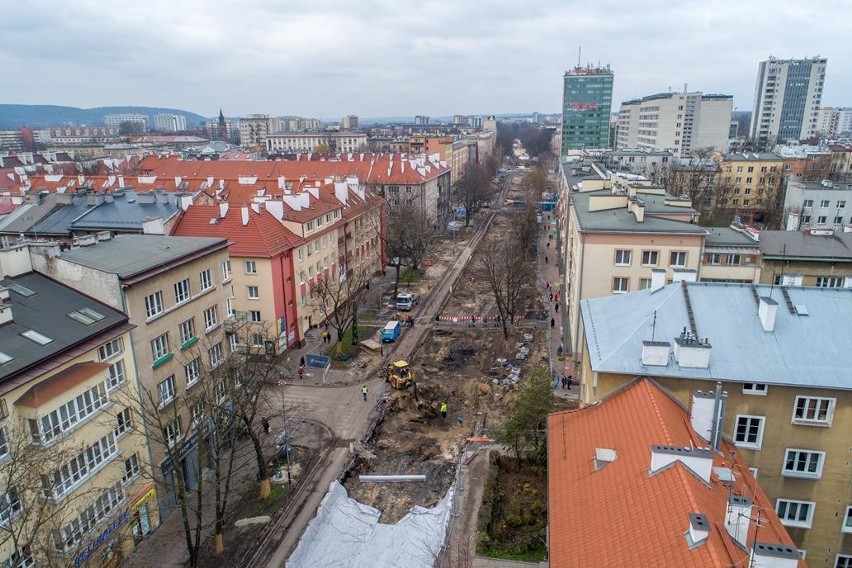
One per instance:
[(391, 331)]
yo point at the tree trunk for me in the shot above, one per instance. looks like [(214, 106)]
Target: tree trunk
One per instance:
[(219, 543), (265, 489)]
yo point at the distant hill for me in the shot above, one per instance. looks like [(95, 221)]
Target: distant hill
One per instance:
[(41, 116)]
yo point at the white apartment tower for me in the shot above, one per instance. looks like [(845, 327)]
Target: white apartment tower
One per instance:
[(787, 99), (167, 122), (677, 122)]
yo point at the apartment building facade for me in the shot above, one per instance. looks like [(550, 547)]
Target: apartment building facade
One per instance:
[(787, 99), (177, 292), (586, 106), (731, 254), (775, 354), (750, 185), (76, 489), (136, 121), (822, 204), (675, 122), (316, 142)]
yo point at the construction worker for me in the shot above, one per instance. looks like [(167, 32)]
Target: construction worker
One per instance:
[(444, 410), (364, 391)]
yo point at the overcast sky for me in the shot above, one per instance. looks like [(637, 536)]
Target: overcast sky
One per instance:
[(319, 58)]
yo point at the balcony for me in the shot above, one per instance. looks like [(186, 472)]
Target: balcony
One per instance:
[(234, 322)]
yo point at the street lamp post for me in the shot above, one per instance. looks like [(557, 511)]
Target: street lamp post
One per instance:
[(286, 445)]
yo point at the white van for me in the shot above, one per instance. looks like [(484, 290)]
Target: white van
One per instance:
[(405, 302)]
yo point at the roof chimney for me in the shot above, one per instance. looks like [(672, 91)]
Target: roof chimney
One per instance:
[(658, 278), (707, 413), (655, 353), (766, 555), (699, 529), (738, 517), (698, 460), (244, 210), (604, 457), (5, 306), (766, 310), (690, 352), (684, 275)]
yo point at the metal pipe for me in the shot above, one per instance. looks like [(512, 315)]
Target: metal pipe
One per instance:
[(390, 478)]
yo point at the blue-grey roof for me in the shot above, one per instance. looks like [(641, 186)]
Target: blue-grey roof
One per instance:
[(130, 255), (622, 220), (61, 217), (728, 237), (28, 214), (126, 210), (803, 350), (45, 311)]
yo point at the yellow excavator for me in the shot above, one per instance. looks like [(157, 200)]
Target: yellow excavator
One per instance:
[(399, 375)]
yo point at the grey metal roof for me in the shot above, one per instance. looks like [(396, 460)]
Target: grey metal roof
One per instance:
[(129, 255), (752, 156), (810, 350), (27, 215), (728, 237), (60, 218), (125, 211), (45, 312), (622, 220), (803, 245)]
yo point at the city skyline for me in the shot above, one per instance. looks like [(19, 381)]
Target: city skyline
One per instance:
[(378, 58)]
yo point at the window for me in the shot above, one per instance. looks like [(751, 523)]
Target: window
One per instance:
[(257, 339), (65, 479), (10, 505), (4, 443), (115, 375), (197, 412), (182, 291), (226, 270), (803, 463), (110, 349), (215, 354), (795, 513), (71, 534), (153, 304), (714, 258), (749, 179), (622, 258), (251, 267), (300, 254), (825, 203), (829, 281), (193, 372), (734, 259), (123, 422), (220, 392), (211, 318), (841, 204), (187, 330), (172, 432), (649, 257), (750, 169), (131, 468), (206, 279), (808, 203), (69, 414), (843, 561), (620, 285), (677, 258), (253, 292), (838, 220), (822, 219), (254, 316), (644, 283), (813, 410), (748, 432), (229, 307), (755, 388), (20, 558), (310, 226), (160, 346), (167, 391), (847, 521)]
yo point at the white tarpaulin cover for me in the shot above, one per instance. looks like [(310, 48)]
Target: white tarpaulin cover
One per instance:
[(347, 534)]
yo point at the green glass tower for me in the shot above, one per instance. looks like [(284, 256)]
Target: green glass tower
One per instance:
[(586, 106)]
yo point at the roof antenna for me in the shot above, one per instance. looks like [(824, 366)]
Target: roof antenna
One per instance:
[(654, 326), (579, 54)]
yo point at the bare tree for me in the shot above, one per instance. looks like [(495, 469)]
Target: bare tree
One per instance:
[(472, 189), (505, 270), (29, 516), (536, 181), (409, 236), (337, 297), (697, 179)]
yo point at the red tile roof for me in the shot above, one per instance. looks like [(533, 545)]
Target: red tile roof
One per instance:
[(262, 236), (620, 514)]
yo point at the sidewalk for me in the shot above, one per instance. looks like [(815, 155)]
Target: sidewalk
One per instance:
[(549, 272)]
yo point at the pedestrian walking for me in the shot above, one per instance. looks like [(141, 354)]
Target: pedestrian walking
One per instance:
[(444, 410), (551, 296), (547, 285), (301, 372), (265, 423), (552, 323), (364, 392), (302, 361), (570, 379), (556, 296), (545, 259), (556, 308), (559, 350), (564, 381), (548, 244)]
